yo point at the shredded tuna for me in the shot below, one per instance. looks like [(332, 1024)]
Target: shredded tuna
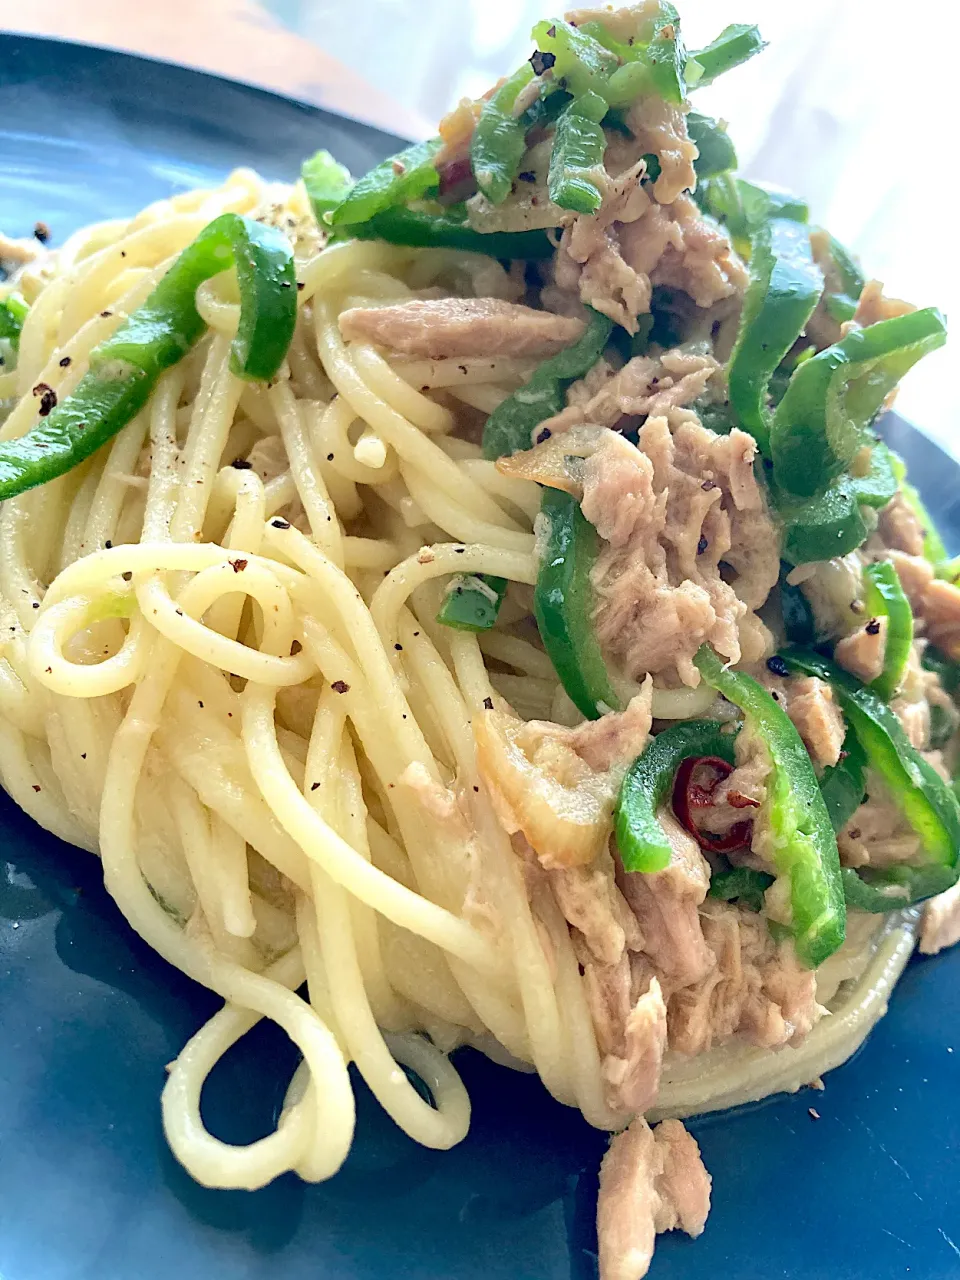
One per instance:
[(612, 742), (899, 527), (863, 651), (941, 922), (877, 835), (873, 306), (614, 258), (672, 511), (590, 901), (932, 599), (651, 1180), (647, 386), (665, 904), (755, 988), (818, 719), (661, 130), (631, 1069), (450, 327)]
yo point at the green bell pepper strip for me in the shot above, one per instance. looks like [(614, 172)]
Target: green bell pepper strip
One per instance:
[(741, 884), (576, 159), (843, 784), (500, 138), (895, 888), (472, 602), (13, 312), (805, 847), (407, 176), (449, 229), (734, 45), (563, 605), (717, 152), (744, 206), (124, 369), (924, 799), (885, 597), (326, 182), (785, 286), (581, 62), (511, 425), (832, 523), (647, 785), (825, 416), (841, 302), (655, 63)]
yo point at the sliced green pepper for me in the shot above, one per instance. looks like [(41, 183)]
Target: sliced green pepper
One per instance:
[(841, 302), (511, 425), (717, 152), (563, 604), (124, 369), (924, 799), (472, 602), (580, 61), (655, 63), (647, 784), (576, 160), (326, 182), (894, 888), (832, 523), (843, 784), (734, 45), (407, 176), (804, 846), (741, 884), (449, 229), (744, 206), (824, 418), (885, 598), (13, 312), (785, 286), (500, 138)]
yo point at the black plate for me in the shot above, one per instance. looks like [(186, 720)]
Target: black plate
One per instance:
[(89, 1015)]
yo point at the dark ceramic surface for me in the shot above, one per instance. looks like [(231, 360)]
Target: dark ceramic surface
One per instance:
[(89, 1016)]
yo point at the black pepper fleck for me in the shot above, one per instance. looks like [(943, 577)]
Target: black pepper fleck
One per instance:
[(702, 544), (488, 703), (542, 62), (527, 176), (340, 686), (543, 435), (128, 576), (777, 667), (238, 566), (314, 785), (41, 232), (65, 362), (241, 464), (280, 523), (399, 648), (708, 485), (873, 627), (48, 398)]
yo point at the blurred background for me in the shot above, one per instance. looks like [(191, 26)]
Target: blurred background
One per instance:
[(852, 105)]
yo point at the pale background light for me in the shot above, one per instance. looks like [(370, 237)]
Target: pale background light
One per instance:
[(853, 105)]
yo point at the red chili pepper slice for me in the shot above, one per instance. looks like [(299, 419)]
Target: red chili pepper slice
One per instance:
[(689, 795)]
